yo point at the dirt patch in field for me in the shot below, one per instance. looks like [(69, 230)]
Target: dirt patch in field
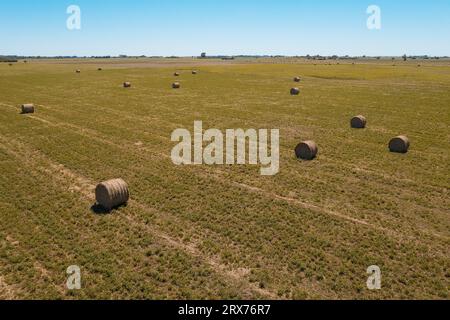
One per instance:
[(7, 292)]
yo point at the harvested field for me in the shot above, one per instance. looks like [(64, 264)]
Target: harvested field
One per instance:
[(198, 232)]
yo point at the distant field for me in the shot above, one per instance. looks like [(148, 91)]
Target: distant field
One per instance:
[(197, 232)]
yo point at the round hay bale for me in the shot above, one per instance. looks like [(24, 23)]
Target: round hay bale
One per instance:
[(127, 84), (295, 91), (297, 79), (112, 193), (10, 64), (194, 72), (78, 71), (99, 69), (176, 74), (358, 122), (27, 108), (306, 150), (399, 144), (176, 85)]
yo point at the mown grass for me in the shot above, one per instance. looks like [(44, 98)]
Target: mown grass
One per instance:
[(225, 231)]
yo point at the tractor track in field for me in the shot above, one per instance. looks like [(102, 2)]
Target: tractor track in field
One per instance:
[(85, 187), (393, 234)]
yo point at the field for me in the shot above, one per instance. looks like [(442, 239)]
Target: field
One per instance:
[(199, 232)]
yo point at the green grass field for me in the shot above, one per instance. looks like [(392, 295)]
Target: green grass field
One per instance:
[(198, 232)]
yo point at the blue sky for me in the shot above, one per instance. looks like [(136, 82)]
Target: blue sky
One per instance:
[(188, 27)]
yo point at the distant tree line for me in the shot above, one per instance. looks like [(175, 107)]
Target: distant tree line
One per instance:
[(8, 59), (14, 58)]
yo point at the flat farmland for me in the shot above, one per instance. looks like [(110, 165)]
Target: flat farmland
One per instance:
[(224, 231)]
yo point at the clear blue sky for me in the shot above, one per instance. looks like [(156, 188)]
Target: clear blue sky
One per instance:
[(188, 27)]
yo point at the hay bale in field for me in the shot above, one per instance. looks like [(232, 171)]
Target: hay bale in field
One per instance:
[(99, 69), (306, 150), (176, 85), (78, 71), (297, 79), (112, 193), (194, 71), (127, 84), (399, 144), (27, 108), (295, 91), (176, 74), (358, 122), (10, 64)]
